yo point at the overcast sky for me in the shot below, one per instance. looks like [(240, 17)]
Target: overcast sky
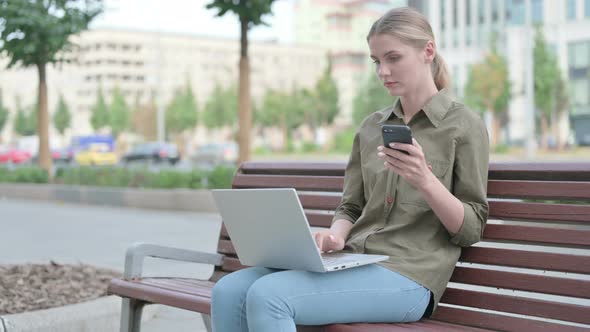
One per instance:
[(191, 16)]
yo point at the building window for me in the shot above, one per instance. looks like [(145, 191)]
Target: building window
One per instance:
[(579, 55), (580, 94), (515, 11), (455, 14), (579, 75), (442, 15), (468, 12), (571, 9), (495, 11), (481, 9), (537, 11)]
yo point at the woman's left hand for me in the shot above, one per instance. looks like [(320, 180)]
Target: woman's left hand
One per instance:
[(412, 166)]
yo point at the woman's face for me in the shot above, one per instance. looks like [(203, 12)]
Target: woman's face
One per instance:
[(401, 68)]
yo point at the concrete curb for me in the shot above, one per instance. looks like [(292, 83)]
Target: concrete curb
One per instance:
[(172, 199), (100, 315)]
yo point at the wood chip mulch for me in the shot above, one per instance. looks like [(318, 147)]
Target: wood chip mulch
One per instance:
[(31, 287)]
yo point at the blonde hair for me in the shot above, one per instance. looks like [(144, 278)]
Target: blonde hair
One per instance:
[(413, 29)]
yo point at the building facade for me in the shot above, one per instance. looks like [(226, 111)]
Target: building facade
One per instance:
[(139, 63), (340, 27), (463, 29)]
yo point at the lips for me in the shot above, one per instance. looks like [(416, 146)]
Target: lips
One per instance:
[(390, 84)]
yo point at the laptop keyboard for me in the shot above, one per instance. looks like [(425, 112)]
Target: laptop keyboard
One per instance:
[(337, 258)]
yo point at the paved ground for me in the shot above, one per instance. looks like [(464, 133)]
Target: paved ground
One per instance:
[(33, 231)]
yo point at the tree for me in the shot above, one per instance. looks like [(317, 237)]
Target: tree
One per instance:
[(100, 117), (221, 108), (326, 100), (550, 93), (488, 88), (62, 117), (250, 13), (25, 123), (181, 114), (371, 97), (144, 119), (3, 115), (119, 113), (37, 33), (281, 110)]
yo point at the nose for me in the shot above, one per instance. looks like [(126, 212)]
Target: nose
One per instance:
[(382, 71)]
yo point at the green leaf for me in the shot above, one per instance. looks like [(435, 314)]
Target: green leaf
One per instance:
[(62, 117), (100, 117), (119, 115)]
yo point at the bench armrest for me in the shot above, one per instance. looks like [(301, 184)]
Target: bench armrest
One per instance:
[(138, 251)]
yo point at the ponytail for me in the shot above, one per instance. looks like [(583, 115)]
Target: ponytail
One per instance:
[(440, 73)]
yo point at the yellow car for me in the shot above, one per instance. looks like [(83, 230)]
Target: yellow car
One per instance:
[(97, 154)]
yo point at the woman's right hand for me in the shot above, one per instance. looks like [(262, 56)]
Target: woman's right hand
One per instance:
[(328, 240)]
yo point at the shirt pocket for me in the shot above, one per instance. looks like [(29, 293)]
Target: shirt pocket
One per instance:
[(407, 194)]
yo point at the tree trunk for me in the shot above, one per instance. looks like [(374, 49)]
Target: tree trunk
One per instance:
[(43, 120), (245, 112), (495, 124), (544, 132)]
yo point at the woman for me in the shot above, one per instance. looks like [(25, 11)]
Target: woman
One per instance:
[(418, 208)]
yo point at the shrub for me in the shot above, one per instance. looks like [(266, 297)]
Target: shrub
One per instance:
[(343, 141), (28, 174)]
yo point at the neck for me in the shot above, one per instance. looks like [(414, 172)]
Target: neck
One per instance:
[(415, 100)]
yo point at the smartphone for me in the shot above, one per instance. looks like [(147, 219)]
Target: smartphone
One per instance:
[(396, 134)]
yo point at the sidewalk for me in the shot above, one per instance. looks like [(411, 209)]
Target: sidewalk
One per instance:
[(35, 231)]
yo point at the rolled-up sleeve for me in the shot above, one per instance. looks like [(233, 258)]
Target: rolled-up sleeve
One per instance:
[(353, 198), (470, 182)]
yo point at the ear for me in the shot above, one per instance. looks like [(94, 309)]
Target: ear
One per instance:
[(429, 52)]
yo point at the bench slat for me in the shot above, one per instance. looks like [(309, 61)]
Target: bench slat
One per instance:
[(517, 305), (537, 234), (294, 168), (527, 259), (226, 247), (539, 189), (554, 171), (318, 219), (231, 264), (561, 171), (540, 211), (320, 202), (498, 322), (522, 281), (199, 300), (425, 325), (317, 183)]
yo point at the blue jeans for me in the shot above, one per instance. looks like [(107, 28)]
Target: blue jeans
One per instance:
[(260, 299)]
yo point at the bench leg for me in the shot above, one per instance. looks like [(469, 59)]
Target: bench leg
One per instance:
[(207, 321), (131, 315)]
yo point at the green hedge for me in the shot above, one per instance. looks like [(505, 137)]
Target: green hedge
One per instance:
[(219, 177), (29, 174)]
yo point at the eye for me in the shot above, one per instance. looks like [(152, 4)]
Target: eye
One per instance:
[(393, 58), (375, 61)]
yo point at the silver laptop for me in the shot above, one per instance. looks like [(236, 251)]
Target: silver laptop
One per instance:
[(268, 228)]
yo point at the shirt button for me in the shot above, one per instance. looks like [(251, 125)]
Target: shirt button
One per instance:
[(389, 199)]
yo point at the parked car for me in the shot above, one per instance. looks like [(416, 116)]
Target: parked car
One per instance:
[(9, 154), (96, 154), (157, 152), (63, 155), (215, 154)]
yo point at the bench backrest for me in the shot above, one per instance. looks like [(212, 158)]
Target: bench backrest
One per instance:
[(532, 269)]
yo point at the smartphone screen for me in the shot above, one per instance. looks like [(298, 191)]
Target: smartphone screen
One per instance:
[(396, 134)]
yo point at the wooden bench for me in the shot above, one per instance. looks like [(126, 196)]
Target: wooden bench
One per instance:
[(531, 272)]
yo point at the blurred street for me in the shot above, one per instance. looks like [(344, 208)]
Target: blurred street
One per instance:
[(38, 232)]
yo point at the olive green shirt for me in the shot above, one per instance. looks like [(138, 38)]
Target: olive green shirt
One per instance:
[(391, 218)]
